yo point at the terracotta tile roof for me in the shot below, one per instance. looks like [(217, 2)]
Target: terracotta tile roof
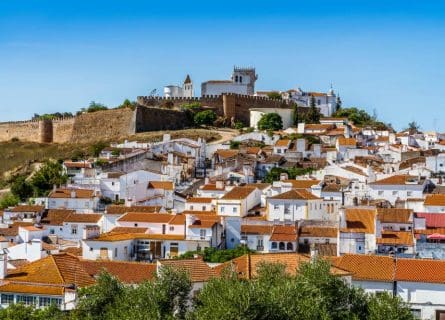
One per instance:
[(317, 94), (421, 270), (398, 180), (282, 143), (211, 187), (256, 229), (226, 153), (32, 228), (302, 184), (360, 220), (56, 217), (66, 193), (73, 251), (28, 208), (260, 186), (129, 230), (284, 233), (203, 224), (396, 238), (342, 141), (116, 209), (336, 132), (199, 200), (433, 220), (318, 232), (367, 267), (246, 266), (253, 150), (318, 127), (198, 270), (395, 215), (165, 185), (238, 193), (435, 200), (13, 229), (296, 194), (177, 219), (77, 164), (83, 218), (388, 269), (355, 170), (31, 288), (57, 269), (112, 236), (126, 272)]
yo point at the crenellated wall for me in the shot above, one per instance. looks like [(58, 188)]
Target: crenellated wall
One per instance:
[(151, 114)]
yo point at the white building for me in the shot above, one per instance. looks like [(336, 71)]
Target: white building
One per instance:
[(285, 114), (186, 91), (398, 187), (242, 82)]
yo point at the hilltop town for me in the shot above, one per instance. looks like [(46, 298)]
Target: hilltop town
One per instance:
[(290, 176)]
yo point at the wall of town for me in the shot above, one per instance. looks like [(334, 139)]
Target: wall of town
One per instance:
[(153, 113)]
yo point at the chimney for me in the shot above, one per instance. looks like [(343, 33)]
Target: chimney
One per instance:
[(3, 264), (219, 184)]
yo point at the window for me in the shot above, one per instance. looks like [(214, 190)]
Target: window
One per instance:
[(26, 300), (275, 207), (163, 228), (172, 228), (135, 224), (380, 193), (115, 252), (278, 150), (236, 78), (273, 246), (125, 251), (290, 246), (87, 204), (74, 229), (409, 193), (51, 231), (234, 210), (318, 101), (222, 209), (281, 246), (7, 298), (47, 301), (202, 233), (203, 208), (191, 207), (394, 193), (417, 313), (286, 209), (240, 79)]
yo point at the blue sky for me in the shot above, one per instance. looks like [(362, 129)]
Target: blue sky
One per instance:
[(385, 56)]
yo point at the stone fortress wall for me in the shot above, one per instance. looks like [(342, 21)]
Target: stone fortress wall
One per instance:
[(151, 114)]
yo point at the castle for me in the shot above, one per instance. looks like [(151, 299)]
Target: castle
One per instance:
[(186, 91), (242, 82)]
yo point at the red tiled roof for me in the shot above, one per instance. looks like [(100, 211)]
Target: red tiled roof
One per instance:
[(433, 220)]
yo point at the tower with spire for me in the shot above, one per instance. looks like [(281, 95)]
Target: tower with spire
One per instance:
[(187, 88)]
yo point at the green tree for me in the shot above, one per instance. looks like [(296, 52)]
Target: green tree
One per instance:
[(206, 117), (295, 116), (274, 95), (313, 115), (50, 174), (94, 107), (8, 200), (21, 188), (97, 147), (97, 301), (338, 104), (385, 306), (270, 121), (127, 104), (413, 127)]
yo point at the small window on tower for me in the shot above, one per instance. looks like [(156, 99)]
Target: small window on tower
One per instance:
[(240, 79), (236, 78)]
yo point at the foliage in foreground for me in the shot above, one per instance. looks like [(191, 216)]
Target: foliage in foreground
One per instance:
[(270, 121), (214, 255), (292, 173), (313, 294)]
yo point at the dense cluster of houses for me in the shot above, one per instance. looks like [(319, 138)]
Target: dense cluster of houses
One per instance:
[(371, 201)]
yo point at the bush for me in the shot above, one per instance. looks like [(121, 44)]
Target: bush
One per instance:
[(8, 200), (215, 255), (274, 173), (191, 106), (234, 144), (270, 121), (239, 125), (206, 117), (274, 95), (21, 188), (97, 148)]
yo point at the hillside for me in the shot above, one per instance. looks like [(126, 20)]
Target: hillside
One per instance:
[(19, 156)]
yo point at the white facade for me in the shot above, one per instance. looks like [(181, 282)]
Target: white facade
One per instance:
[(285, 114), (241, 82)]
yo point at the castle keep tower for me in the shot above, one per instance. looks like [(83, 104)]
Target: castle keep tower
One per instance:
[(245, 76)]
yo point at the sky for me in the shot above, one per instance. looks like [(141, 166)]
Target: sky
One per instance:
[(386, 57)]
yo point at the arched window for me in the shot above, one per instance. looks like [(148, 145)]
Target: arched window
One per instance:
[(236, 78), (282, 246), (240, 79), (274, 245), (290, 246)]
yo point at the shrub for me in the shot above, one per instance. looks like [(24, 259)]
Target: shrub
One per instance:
[(270, 121), (206, 117)]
